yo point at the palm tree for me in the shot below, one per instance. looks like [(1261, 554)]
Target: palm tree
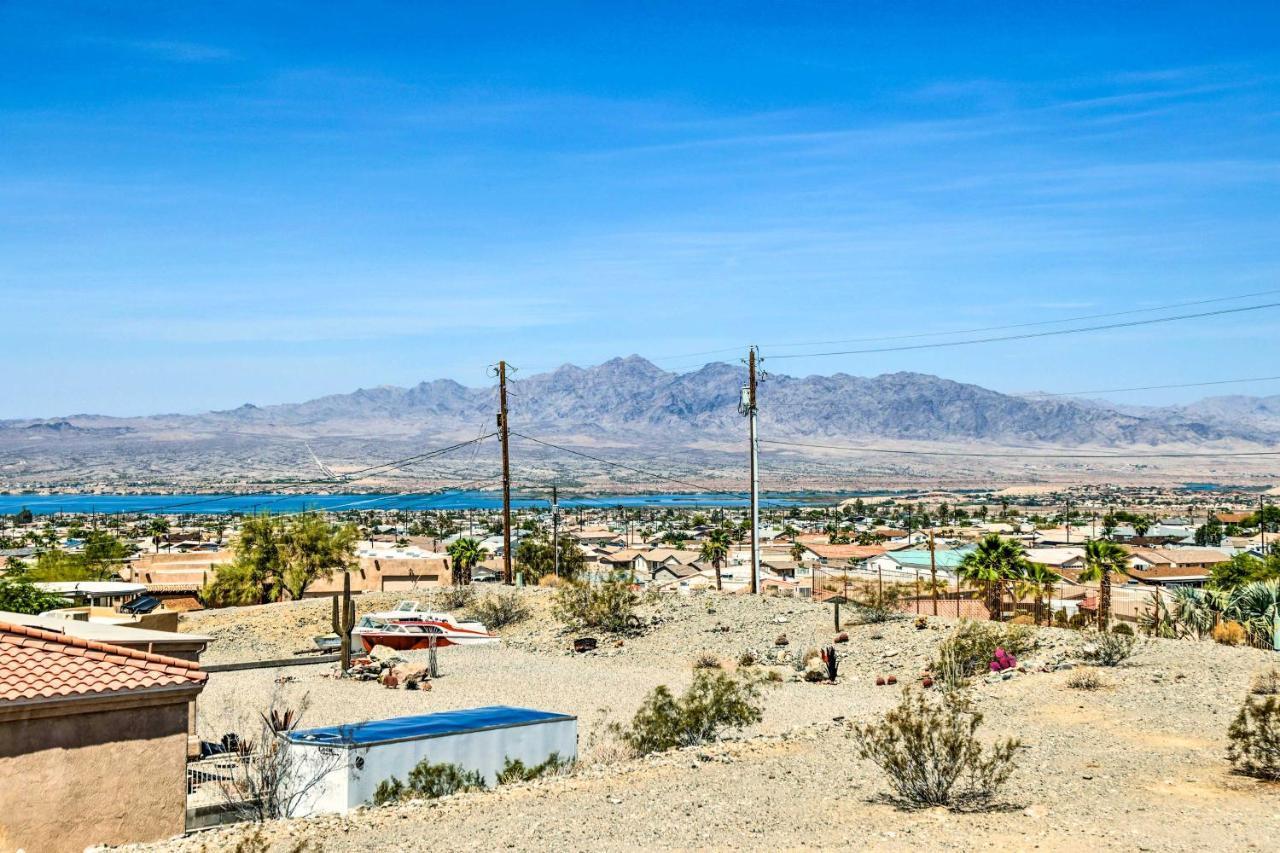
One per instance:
[(1037, 581), (158, 527), (715, 551), (466, 554), (1101, 558), (994, 563), (797, 551), (1192, 611), (1142, 525), (1256, 605)]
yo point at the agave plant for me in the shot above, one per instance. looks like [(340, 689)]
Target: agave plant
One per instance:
[(1257, 606)]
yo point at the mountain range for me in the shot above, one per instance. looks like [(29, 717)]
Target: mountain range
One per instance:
[(630, 402)]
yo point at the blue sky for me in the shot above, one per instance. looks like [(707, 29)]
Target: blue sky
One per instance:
[(208, 204)]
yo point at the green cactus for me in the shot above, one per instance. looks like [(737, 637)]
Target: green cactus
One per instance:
[(342, 625)]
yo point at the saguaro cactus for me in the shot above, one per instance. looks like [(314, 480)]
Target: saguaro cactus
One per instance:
[(344, 619)]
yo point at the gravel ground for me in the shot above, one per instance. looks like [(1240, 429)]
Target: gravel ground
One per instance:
[(1136, 765)]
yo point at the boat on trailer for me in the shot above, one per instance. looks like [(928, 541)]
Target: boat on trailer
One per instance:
[(407, 628)]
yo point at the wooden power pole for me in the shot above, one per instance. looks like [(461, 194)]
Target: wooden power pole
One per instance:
[(749, 409), (504, 434), (933, 572)]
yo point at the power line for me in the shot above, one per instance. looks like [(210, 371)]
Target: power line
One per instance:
[(1075, 319), (1029, 335), (1152, 387), (699, 487), (351, 477), (1121, 455)]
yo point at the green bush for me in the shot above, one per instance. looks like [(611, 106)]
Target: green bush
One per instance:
[(514, 770), (1255, 738), (931, 756), (428, 781), (1122, 628), (714, 703), (1109, 649), (607, 606), (19, 595), (498, 610), (972, 646)]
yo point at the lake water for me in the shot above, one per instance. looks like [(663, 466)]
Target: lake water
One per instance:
[(220, 504)]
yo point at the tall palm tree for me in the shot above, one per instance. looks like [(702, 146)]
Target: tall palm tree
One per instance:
[(797, 551), (715, 551), (995, 563), (1101, 558), (466, 554)]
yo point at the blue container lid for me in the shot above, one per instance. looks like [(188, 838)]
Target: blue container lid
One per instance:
[(423, 726)]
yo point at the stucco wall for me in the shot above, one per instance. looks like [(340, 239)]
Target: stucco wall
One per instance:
[(107, 777)]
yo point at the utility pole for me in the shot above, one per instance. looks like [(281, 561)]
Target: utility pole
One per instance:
[(1262, 525), (504, 434), (555, 527), (933, 573), (748, 407)]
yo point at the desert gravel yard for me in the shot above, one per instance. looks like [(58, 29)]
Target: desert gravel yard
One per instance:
[(1135, 765)]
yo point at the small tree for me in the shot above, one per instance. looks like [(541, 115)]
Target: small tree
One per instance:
[(931, 756), (19, 595), (608, 605)]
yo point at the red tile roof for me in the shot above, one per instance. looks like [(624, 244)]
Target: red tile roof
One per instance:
[(36, 664)]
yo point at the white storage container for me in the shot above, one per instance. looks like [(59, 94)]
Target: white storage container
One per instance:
[(337, 768)]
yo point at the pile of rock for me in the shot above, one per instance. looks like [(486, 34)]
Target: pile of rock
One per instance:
[(389, 669)]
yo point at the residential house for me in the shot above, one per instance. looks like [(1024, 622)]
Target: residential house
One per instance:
[(93, 741)]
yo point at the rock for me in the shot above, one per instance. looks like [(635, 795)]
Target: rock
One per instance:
[(781, 640), (384, 653), (842, 637)]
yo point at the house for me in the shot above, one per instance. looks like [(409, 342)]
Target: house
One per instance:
[(829, 555), (902, 566), (1057, 559), (93, 741), (1173, 566)]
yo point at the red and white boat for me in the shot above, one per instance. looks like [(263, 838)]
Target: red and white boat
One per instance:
[(407, 628)]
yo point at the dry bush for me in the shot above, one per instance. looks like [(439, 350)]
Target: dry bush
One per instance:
[(1022, 619), (931, 756), (1229, 633), (1266, 683), (747, 658), (1109, 649), (549, 581), (498, 610), (454, 598), (707, 660), (1086, 678), (1255, 738)]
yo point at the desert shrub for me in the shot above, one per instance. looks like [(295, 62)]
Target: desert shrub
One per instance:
[(714, 703), (1060, 619), (515, 770), (1255, 738), (428, 781), (931, 756), (747, 658), (873, 603), (1086, 678), (706, 660), (1022, 619), (1079, 621), (1122, 628), (972, 645), (773, 676), (950, 673), (1109, 649), (549, 580), (810, 653), (1229, 633), (1266, 683), (455, 598), (608, 605), (498, 610)]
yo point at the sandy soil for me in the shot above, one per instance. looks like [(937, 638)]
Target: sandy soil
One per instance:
[(1136, 765)]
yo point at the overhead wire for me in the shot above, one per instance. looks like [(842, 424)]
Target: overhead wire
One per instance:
[(1013, 456)]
